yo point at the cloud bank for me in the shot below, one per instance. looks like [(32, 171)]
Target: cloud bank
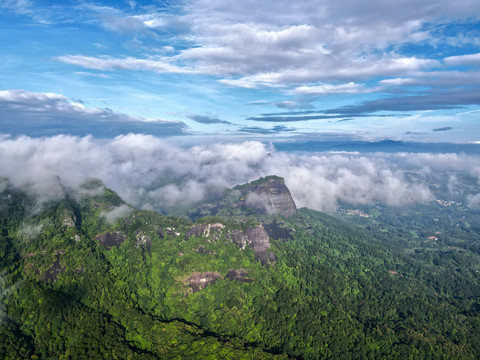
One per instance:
[(150, 172)]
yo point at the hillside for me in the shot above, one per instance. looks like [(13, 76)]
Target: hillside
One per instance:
[(86, 275)]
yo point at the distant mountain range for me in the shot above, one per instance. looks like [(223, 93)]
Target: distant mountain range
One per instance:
[(378, 146)]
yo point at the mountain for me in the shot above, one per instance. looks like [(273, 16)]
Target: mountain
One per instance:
[(85, 275), (267, 195)]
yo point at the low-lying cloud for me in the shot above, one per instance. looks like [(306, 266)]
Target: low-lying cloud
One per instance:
[(153, 173), (117, 213)]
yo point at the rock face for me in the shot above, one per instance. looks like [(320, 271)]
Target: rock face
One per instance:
[(198, 281), (257, 238), (202, 250), (265, 257), (268, 195), (209, 230), (238, 275), (142, 240), (278, 230), (69, 219), (238, 238), (272, 194), (55, 270), (160, 233), (110, 239), (259, 242)]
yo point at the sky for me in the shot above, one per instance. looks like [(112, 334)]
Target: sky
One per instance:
[(216, 70), (168, 102)]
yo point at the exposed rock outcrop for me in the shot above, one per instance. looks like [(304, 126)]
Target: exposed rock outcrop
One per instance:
[(196, 230), (238, 238), (69, 219), (110, 239), (171, 231), (272, 195), (259, 242), (268, 195), (202, 250), (278, 230), (238, 275), (265, 257), (55, 270), (212, 231), (257, 238), (160, 233), (142, 240), (198, 281)]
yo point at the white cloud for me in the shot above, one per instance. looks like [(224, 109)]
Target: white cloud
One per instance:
[(302, 43), (470, 59), (22, 7), (91, 74), (129, 24), (153, 173), (128, 63), (436, 79), (30, 231), (117, 213), (325, 89)]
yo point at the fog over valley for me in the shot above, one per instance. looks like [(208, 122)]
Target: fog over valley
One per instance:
[(154, 173)]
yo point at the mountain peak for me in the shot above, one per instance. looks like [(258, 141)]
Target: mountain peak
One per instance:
[(269, 193)]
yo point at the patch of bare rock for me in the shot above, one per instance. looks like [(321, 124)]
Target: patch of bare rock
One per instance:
[(110, 239)]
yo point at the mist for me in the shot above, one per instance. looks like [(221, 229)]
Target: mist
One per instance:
[(153, 173)]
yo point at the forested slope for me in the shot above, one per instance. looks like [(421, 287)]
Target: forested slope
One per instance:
[(87, 276)]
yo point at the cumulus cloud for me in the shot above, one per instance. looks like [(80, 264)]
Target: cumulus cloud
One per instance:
[(306, 42), (150, 172), (311, 48)]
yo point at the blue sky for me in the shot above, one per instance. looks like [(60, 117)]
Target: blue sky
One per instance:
[(209, 69)]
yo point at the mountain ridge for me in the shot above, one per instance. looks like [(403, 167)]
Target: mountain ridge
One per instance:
[(253, 285)]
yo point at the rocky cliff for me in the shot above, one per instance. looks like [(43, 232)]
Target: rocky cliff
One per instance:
[(268, 195)]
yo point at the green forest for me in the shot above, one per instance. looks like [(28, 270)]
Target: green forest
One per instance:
[(87, 276)]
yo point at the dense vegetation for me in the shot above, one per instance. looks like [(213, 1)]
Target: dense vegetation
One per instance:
[(87, 276)]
